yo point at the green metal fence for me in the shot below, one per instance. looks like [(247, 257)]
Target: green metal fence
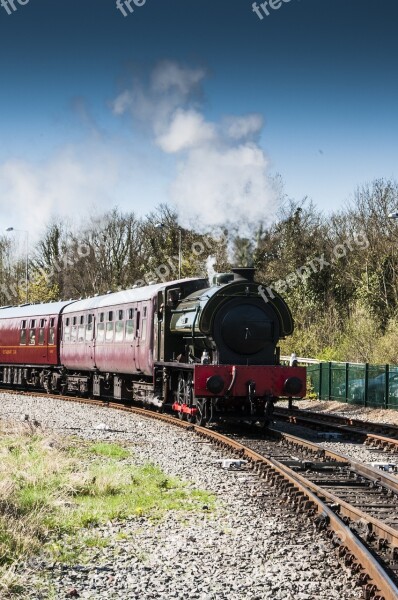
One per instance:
[(363, 384)]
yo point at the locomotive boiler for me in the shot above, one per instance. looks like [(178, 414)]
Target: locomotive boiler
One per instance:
[(207, 351)]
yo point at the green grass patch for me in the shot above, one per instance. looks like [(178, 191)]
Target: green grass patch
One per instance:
[(109, 450), (52, 487)]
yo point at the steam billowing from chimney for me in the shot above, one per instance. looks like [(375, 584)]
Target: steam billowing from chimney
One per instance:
[(221, 178)]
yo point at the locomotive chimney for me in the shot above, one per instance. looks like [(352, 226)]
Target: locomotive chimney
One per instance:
[(243, 273)]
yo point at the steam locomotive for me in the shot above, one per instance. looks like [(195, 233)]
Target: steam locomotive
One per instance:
[(205, 351)]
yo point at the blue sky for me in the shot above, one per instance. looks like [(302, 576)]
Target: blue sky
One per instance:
[(193, 102)]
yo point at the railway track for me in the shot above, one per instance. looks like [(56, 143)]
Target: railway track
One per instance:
[(364, 497), (356, 505), (373, 434)]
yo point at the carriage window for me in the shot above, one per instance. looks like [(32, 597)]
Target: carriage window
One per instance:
[(131, 313), (67, 321), (144, 315), (74, 321), (51, 332), (90, 319), (101, 317), (129, 330), (118, 331), (81, 333), (41, 332), (143, 329), (89, 332), (109, 332), (110, 315), (121, 315), (33, 323), (22, 335), (66, 331), (100, 332), (82, 320), (32, 337)]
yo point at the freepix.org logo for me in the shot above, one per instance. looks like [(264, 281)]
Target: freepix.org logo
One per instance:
[(10, 7), (264, 7), (125, 6)]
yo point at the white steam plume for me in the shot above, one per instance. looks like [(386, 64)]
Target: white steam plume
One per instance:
[(221, 178), (210, 262)]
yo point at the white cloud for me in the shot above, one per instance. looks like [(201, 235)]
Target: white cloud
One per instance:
[(223, 187), (222, 170), (169, 75), (97, 174), (171, 86), (187, 129), (239, 128), (61, 186), (122, 103)]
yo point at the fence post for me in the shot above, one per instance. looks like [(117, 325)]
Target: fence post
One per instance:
[(387, 388), (330, 382), (346, 380), (320, 381), (366, 383)]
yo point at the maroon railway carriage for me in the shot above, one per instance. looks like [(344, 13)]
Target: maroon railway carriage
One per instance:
[(109, 344), (29, 343)]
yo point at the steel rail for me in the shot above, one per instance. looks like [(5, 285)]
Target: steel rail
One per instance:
[(376, 475), (343, 425), (382, 530)]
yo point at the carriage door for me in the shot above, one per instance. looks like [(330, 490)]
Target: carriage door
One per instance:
[(158, 318), (90, 339), (42, 340), (137, 345)]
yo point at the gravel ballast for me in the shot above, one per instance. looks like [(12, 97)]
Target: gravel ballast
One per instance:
[(249, 547), (344, 409)]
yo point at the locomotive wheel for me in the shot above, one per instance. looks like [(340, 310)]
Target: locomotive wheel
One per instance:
[(184, 394), (181, 393), (189, 396), (201, 416)]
